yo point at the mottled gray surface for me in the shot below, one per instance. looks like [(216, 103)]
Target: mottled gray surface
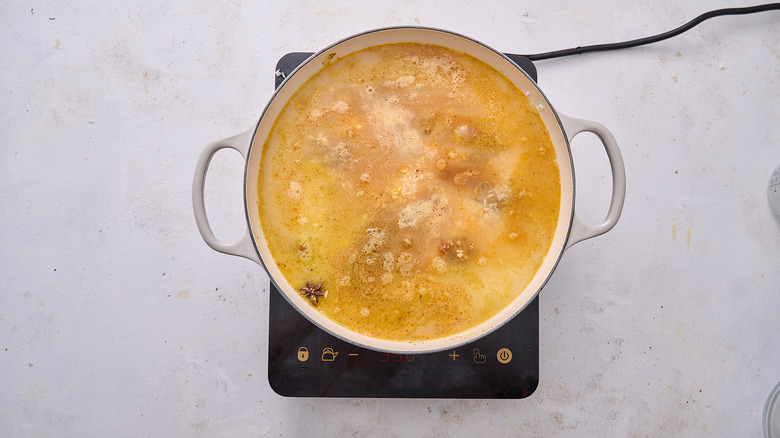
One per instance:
[(117, 320)]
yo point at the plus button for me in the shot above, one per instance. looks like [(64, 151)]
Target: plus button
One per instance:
[(453, 355)]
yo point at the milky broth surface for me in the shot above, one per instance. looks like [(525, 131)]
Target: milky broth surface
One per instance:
[(415, 184)]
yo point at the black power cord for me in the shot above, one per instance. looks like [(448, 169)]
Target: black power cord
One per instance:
[(654, 38)]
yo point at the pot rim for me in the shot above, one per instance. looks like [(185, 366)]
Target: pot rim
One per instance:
[(455, 340)]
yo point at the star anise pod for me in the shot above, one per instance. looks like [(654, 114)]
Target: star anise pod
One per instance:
[(313, 292)]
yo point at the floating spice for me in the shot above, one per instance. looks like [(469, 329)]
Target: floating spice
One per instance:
[(313, 292)]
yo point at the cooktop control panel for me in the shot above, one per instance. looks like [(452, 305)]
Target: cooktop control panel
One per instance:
[(305, 361)]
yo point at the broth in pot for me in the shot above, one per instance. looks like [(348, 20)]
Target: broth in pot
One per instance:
[(409, 191)]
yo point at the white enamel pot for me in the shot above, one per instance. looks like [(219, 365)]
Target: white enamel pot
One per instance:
[(562, 129)]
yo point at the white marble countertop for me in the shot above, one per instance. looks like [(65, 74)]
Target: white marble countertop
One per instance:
[(117, 320)]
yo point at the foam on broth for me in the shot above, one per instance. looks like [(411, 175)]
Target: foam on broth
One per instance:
[(416, 184)]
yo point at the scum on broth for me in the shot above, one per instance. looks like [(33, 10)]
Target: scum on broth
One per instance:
[(416, 184)]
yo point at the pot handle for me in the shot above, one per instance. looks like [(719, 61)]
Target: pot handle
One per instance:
[(244, 247), (580, 231)]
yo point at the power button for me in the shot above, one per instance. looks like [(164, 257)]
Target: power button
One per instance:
[(504, 355)]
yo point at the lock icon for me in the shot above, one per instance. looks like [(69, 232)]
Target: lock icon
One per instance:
[(303, 354), (328, 355)]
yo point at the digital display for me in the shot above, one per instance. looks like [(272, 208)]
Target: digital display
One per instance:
[(387, 357)]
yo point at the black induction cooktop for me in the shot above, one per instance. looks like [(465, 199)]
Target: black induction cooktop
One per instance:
[(305, 361)]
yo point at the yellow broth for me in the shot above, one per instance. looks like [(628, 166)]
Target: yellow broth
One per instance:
[(416, 184)]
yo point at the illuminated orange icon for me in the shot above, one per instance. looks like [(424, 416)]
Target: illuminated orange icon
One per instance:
[(504, 355), (328, 355), (303, 354), (479, 357)]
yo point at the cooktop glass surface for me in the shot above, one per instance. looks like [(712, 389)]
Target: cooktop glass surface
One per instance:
[(305, 361)]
